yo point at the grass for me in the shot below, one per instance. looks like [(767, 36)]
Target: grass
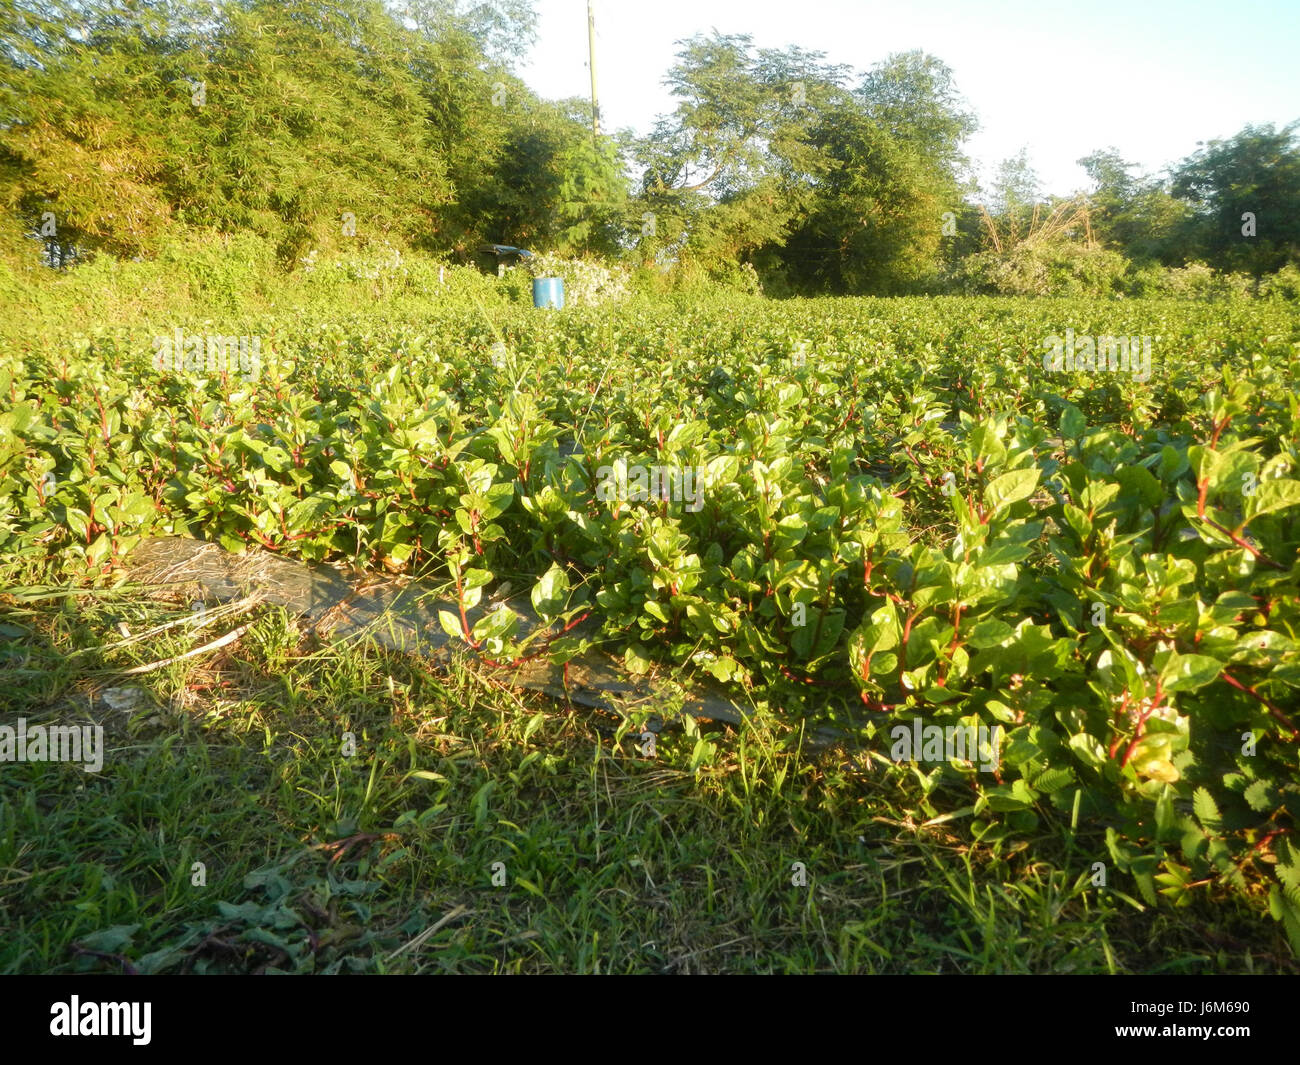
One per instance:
[(383, 860)]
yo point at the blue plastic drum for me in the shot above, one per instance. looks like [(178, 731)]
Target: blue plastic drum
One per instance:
[(548, 292)]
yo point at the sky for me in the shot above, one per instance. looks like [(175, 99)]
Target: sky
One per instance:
[(1150, 78)]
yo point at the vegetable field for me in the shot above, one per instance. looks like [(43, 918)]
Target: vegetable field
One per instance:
[(893, 517)]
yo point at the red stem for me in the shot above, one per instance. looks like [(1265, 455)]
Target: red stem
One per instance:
[(1272, 709)]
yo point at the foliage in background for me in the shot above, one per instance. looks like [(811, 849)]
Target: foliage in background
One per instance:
[(282, 119), (1058, 268), (1257, 172), (316, 127), (886, 170)]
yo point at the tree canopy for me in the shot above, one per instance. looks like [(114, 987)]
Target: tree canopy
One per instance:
[(315, 122)]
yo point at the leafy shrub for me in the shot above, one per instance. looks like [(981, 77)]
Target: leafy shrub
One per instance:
[(1060, 268), (1146, 281), (380, 262), (1283, 285), (685, 283), (516, 286), (738, 277), (355, 277), (222, 270), (1195, 281)]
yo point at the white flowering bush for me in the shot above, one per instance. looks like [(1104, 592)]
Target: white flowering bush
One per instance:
[(380, 262), (1198, 281), (587, 283)]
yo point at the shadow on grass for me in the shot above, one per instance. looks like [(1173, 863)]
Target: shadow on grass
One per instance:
[(278, 805)]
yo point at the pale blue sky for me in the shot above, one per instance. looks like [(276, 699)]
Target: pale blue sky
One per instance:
[(1151, 77)]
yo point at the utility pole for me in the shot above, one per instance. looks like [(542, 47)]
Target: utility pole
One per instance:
[(591, 50)]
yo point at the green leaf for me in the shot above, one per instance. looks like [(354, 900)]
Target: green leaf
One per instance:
[(78, 522), (1010, 487), (1138, 482), (1259, 796), (1273, 495), (496, 624), (534, 723), (725, 668), (551, 592), (424, 774), (529, 886), (1017, 795), (990, 632), (1073, 425), (1053, 780), (1189, 672), (1206, 809), (277, 459), (110, 940), (636, 659), (480, 803), (451, 624)]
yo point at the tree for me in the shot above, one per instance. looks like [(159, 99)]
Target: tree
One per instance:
[(308, 122), (84, 94), (1013, 195), (888, 162), (1135, 215), (914, 97), (319, 115), (1250, 182), (549, 185), (731, 167), (275, 115), (502, 30)]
